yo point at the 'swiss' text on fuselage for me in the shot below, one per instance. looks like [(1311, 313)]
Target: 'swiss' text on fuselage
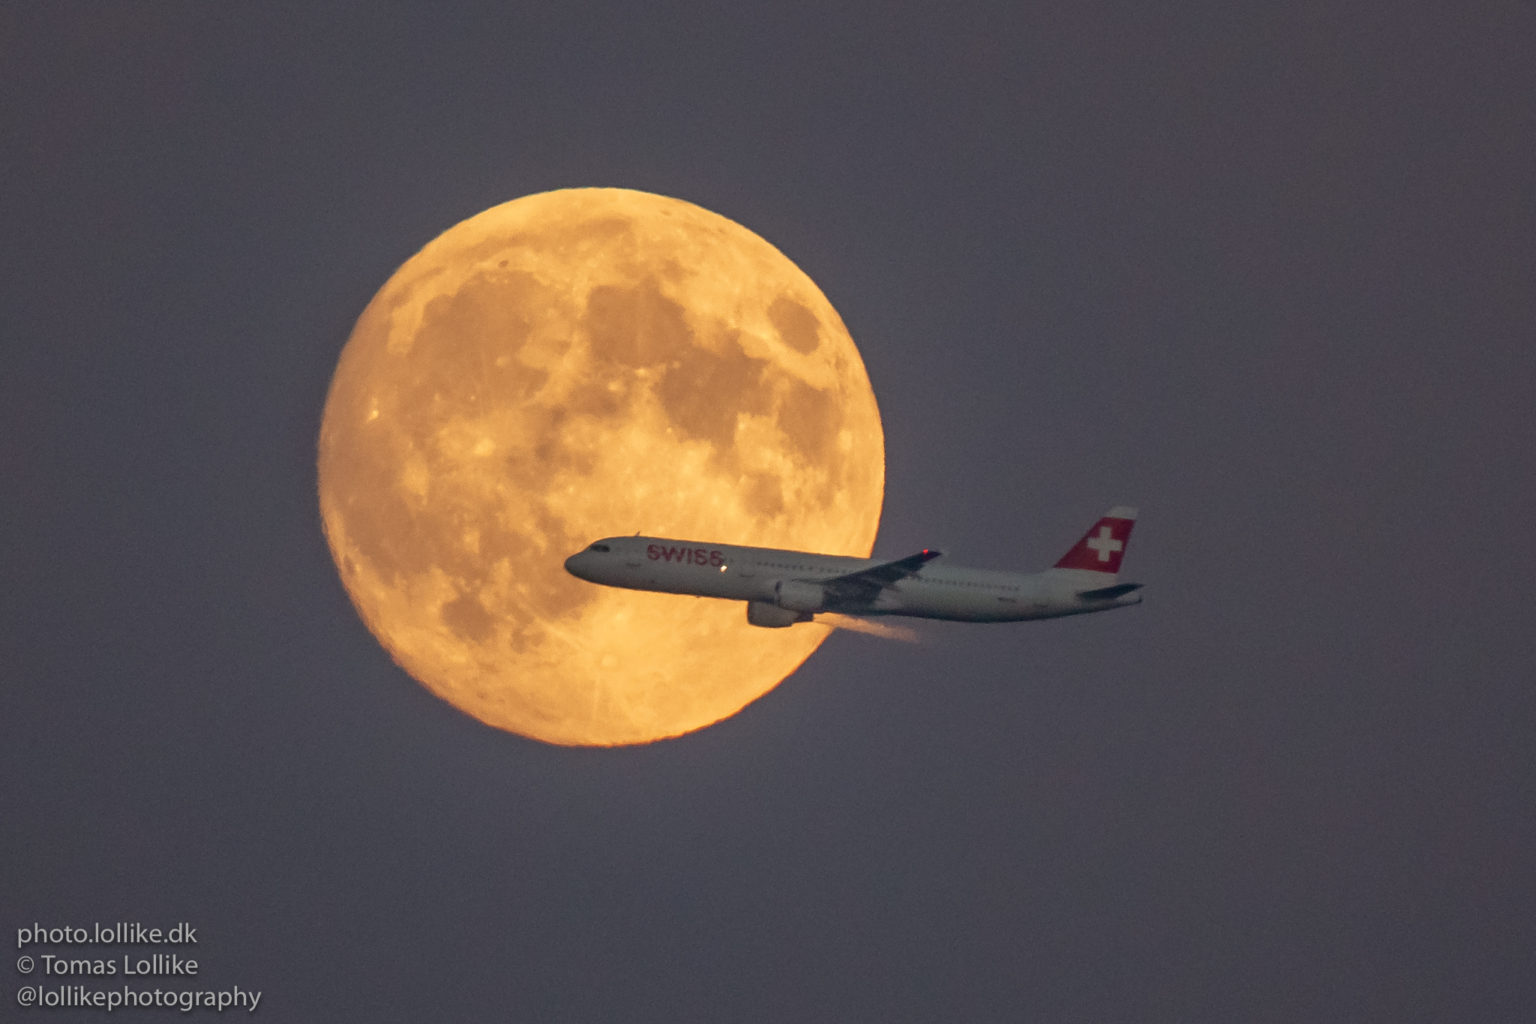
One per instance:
[(688, 556)]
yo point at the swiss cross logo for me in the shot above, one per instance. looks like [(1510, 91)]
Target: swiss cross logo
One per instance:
[(1105, 543), (1102, 547)]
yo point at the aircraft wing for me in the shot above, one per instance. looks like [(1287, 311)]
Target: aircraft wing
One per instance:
[(862, 586)]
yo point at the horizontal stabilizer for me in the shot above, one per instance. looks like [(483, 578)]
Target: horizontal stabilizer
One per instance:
[(1108, 593)]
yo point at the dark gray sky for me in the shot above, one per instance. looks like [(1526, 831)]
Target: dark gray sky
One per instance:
[(1266, 273)]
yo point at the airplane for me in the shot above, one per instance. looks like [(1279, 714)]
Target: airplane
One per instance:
[(782, 587)]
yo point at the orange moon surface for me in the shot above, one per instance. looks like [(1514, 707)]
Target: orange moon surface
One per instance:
[(573, 365)]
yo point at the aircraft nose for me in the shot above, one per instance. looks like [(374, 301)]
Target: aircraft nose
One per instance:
[(573, 565)]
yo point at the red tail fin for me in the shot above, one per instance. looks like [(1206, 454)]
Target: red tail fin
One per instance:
[(1102, 547)]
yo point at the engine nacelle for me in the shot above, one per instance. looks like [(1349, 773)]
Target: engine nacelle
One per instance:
[(798, 596), (771, 616)]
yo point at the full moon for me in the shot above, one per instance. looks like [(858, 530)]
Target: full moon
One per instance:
[(572, 365)]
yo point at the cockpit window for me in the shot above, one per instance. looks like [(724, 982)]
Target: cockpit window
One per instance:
[(599, 547)]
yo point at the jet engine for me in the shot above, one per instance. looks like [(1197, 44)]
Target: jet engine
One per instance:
[(798, 596), (771, 616)]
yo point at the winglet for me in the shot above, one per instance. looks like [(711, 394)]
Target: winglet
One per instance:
[(1102, 547), (893, 571)]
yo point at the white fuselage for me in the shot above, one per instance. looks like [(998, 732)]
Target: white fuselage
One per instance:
[(793, 579)]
